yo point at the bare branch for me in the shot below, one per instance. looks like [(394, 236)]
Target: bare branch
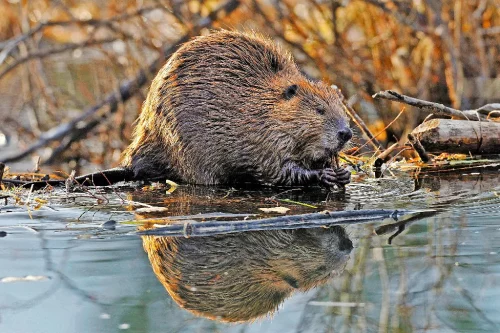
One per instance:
[(399, 17), (55, 50), (435, 108), (11, 44), (311, 220), (81, 125)]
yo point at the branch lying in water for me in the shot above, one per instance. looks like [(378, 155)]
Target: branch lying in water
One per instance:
[(311, 220), (80, 126)]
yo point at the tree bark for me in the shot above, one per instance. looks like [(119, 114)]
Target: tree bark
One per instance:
[(459, 136)]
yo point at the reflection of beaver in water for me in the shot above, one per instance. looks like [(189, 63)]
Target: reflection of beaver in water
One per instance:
[(233, 107), (244, 276)]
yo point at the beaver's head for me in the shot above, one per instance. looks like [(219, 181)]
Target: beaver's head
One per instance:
[(293, 116), (314, 115), (241, 277)]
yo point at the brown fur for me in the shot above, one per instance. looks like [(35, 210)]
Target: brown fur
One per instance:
[(244, 276), (218, 112)]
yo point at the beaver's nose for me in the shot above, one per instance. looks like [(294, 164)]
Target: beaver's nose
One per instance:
[(345, 134)]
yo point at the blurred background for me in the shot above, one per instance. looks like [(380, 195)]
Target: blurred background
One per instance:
[(89, 63)]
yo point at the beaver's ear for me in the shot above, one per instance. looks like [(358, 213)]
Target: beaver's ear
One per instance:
[(291, 91)]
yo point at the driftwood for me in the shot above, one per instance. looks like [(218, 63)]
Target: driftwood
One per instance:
[(459, 136), (312, 220), (475, 132)]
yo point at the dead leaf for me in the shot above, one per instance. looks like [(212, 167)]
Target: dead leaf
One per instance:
[(279, 210), (151, 209)]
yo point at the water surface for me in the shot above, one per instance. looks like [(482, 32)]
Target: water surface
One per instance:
[(60, 271)]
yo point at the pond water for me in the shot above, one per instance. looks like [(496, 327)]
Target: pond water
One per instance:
[(61, 271)]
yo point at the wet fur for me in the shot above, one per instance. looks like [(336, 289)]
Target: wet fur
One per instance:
[(217, 113)]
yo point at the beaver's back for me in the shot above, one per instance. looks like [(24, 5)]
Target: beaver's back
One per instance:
[(204, 116)]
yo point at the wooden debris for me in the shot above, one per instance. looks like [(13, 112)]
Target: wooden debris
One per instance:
[(385, 154), (151, 210), (278, 209), (311, 220), (417, 146), (459, 136), (2, 169)]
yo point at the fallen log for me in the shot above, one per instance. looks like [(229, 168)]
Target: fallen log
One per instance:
[(459, 136)]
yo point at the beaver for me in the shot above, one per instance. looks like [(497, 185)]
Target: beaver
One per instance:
[(241, 277), (233, 107)]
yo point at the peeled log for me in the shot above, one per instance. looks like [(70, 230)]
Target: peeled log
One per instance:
[(459, 136)]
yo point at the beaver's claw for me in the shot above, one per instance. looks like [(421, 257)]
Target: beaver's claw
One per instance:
[(330, 177)]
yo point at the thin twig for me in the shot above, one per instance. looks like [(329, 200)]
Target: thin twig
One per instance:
[(386, 127), (372, 139), (55, 50), (11, 44)]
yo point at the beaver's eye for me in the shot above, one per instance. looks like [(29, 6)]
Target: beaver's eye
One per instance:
[(291, 281), (291, 91), (320, 111)]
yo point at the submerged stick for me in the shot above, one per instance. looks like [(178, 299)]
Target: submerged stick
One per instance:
[(311, 220)]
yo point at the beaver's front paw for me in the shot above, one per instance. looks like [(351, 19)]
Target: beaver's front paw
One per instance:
[(329, 177)]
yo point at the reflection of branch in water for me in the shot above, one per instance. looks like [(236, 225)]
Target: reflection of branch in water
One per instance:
[(447, 269), (311, 220), (445, 280), (466, 295), (33, 301), (64, 279), (50, 267), (401, 225)]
